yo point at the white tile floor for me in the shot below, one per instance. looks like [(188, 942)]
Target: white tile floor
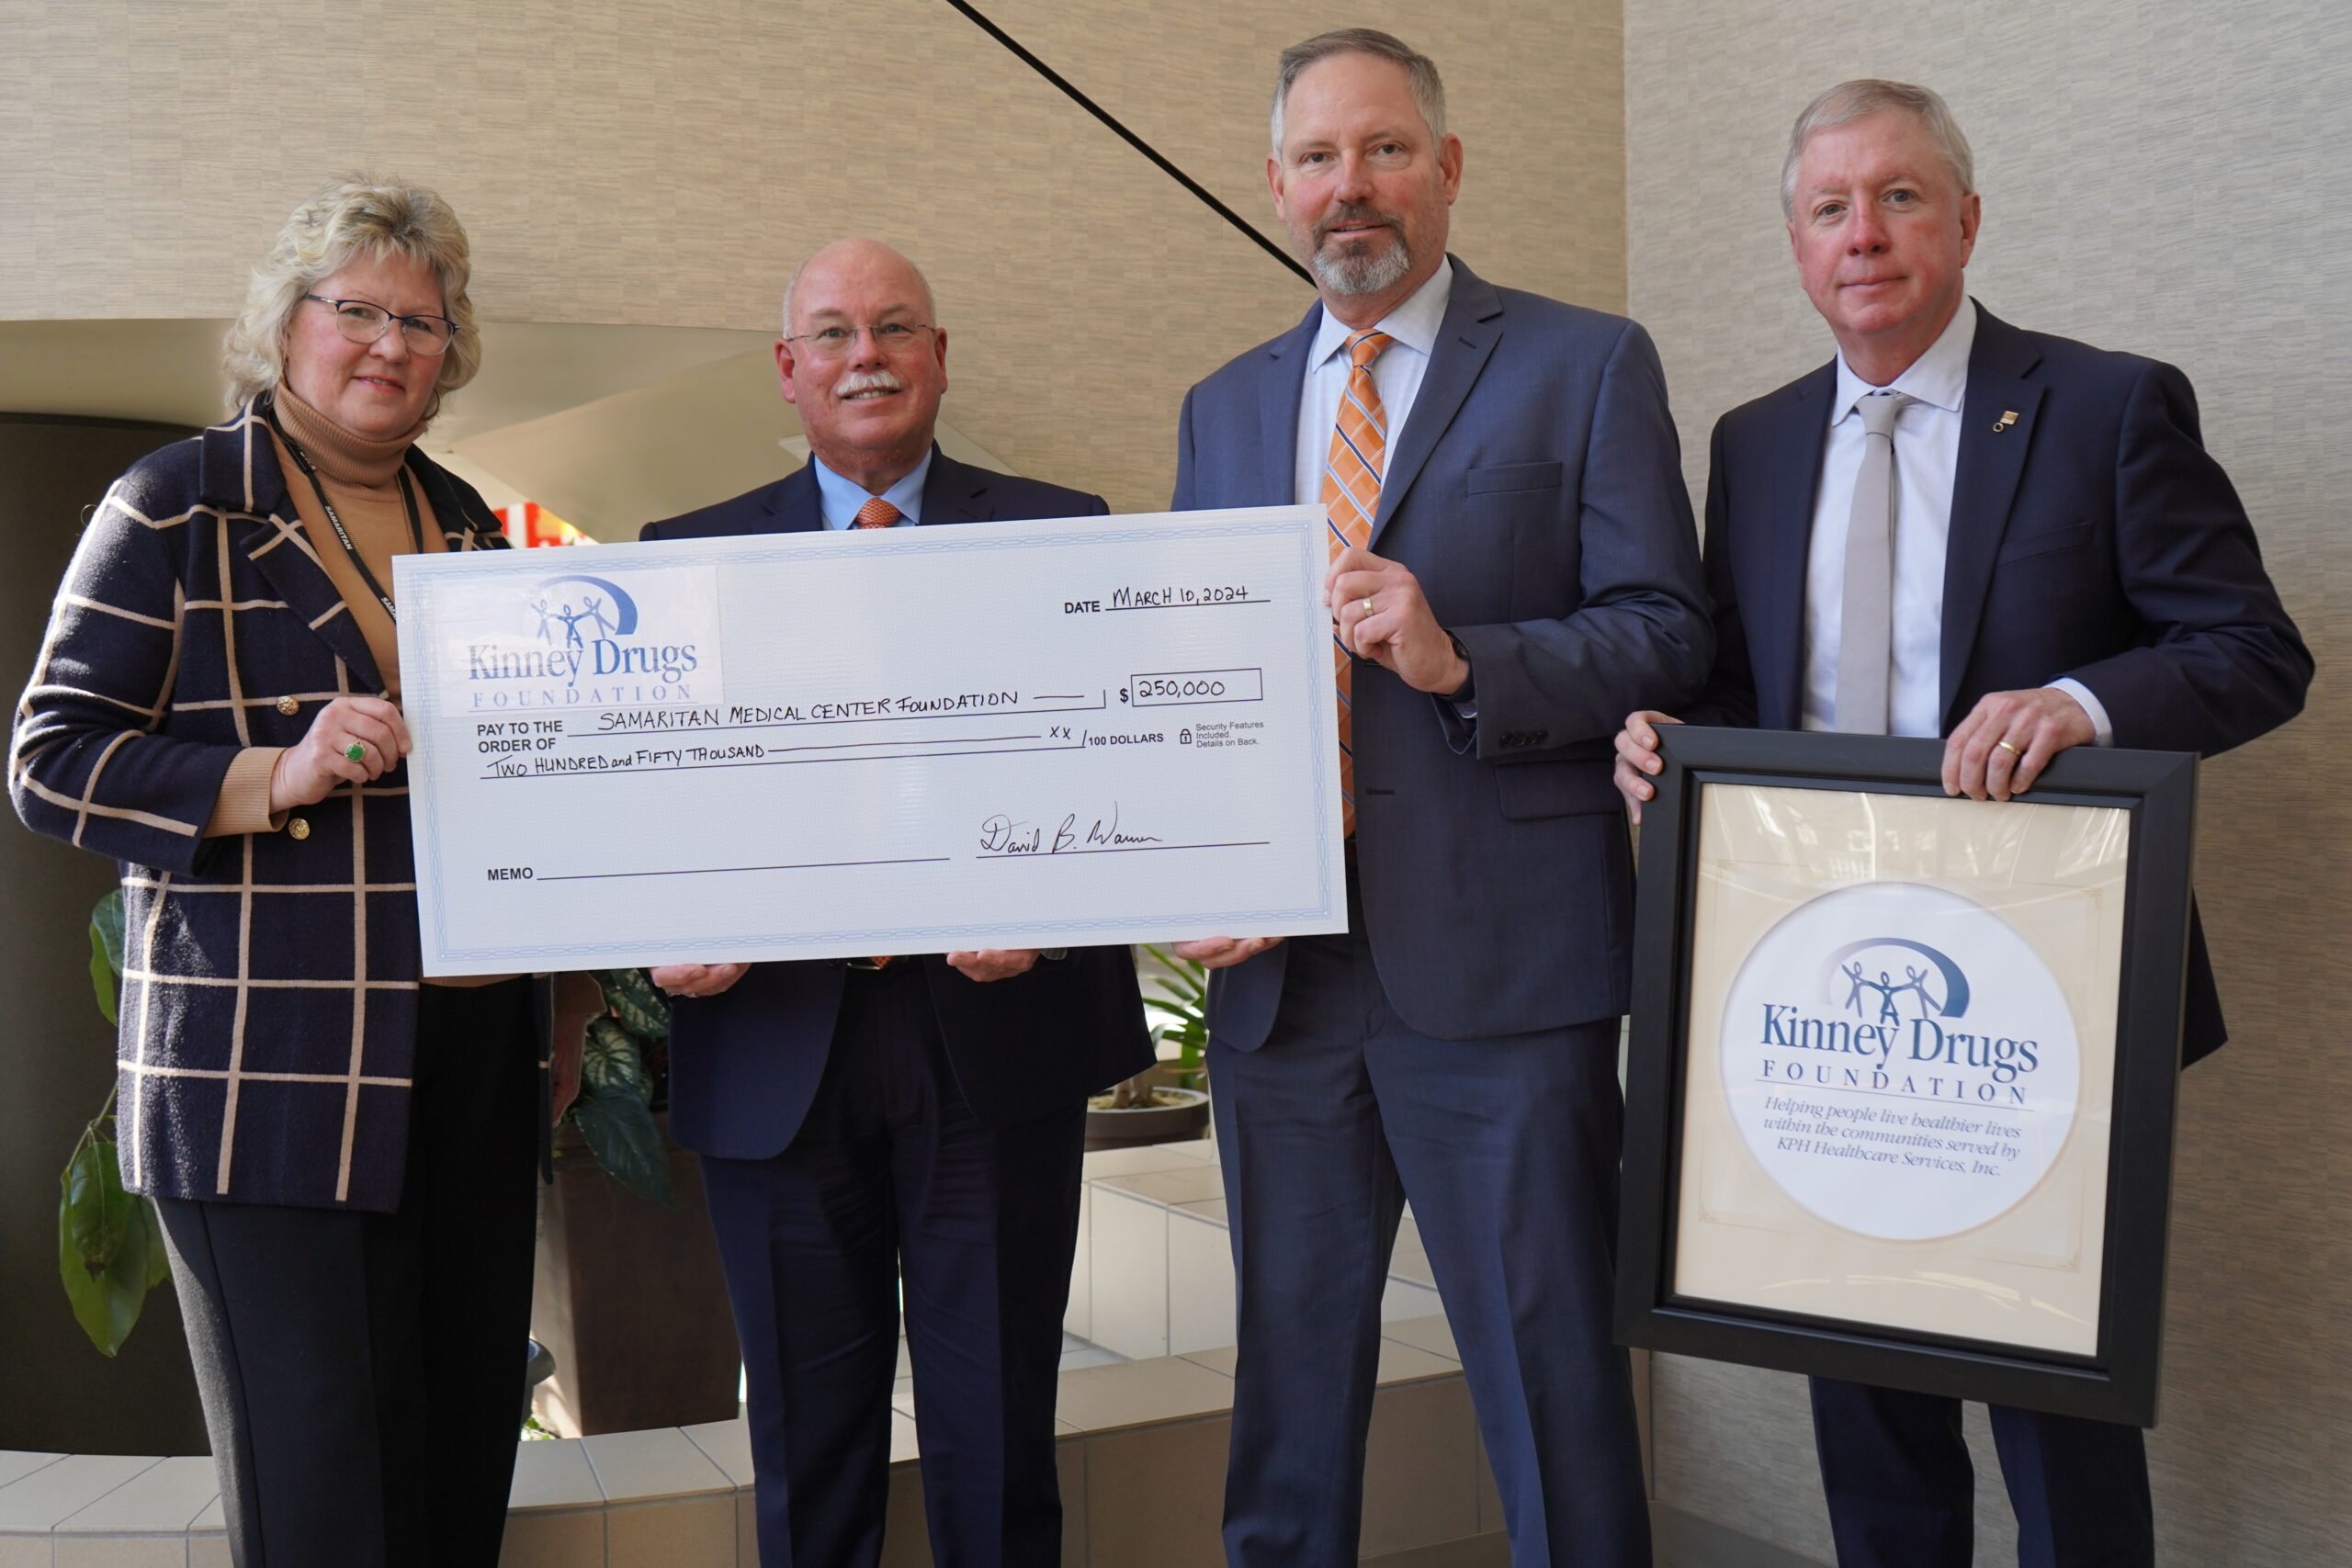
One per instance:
[(1144, 1410), (1154, 1275)]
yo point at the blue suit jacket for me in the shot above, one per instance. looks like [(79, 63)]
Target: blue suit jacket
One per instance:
[(744, 1065), (2094, 538), (1536, 492)]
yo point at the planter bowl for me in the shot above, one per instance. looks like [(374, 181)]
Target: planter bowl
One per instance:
[(1155, 1123)]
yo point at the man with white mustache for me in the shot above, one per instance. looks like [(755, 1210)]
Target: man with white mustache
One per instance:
[(916, 1118)]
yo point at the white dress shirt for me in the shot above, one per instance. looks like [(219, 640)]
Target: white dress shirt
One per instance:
[(839, 499), (1397, 375), (1927, 458)]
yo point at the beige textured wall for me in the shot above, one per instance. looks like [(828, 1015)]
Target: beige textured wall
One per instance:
[(2160, 176), (651, 164)]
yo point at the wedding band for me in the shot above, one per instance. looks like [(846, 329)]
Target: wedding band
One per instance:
[(2010, 748), (1367, 607), (355, 753)]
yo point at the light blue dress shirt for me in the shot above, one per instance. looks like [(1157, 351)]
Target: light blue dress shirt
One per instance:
[(840, 499), (1397, 374)]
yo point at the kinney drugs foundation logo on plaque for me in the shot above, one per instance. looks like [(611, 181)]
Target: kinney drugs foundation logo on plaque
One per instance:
[(1900, 1061)]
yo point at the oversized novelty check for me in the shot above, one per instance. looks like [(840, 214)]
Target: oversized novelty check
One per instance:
[(820, 745)]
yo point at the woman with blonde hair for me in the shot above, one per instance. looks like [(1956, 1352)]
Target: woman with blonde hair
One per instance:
[(343, 1152)]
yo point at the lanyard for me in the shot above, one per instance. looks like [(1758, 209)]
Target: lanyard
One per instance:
[(334, 520)]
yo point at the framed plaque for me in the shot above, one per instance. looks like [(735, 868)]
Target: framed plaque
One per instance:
[(1900, 1098)]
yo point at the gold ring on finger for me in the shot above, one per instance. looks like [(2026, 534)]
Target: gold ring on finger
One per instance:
[(2010, 747), (1367, 607)]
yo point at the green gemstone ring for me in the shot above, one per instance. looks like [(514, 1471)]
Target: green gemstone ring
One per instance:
[(356, 751)]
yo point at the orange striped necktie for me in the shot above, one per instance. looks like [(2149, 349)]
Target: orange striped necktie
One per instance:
[(1350, 496), (877, 514)]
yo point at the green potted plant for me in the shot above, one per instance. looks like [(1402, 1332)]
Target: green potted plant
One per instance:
[(620, 1071), (1168, 1101), (627, 1291)]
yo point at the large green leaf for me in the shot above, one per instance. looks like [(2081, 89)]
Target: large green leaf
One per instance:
[(96, 1211), (105, 918), (102, 1246), (610, 1061), (106, 951), (630, 994), (621, 1134), (104, 981)]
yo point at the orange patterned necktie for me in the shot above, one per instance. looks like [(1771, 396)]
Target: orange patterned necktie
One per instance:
[(1351, 495), (877, 514)]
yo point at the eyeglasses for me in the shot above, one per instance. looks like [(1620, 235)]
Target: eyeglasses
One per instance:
[(363, 322), (889, 338)]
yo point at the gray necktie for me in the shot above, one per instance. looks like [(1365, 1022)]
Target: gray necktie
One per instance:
[(1865, 643)]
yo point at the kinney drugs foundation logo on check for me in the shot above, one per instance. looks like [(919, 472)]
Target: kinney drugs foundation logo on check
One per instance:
[(1900, 1060), (581, 640)]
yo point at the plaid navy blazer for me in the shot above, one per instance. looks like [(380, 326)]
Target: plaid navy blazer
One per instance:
[(270, 1006)]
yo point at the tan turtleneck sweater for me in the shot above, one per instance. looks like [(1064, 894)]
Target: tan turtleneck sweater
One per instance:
[(360, 478)]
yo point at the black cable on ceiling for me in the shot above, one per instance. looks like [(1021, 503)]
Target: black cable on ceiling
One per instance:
[(1021, 52)]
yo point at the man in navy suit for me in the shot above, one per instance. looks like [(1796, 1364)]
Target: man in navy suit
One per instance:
[(1513, 553), (2041, 554), (909, 1122)]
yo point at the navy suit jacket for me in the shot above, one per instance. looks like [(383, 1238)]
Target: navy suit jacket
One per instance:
[(197, 621), (1536, 492), (2094, 538), (744, 1065)]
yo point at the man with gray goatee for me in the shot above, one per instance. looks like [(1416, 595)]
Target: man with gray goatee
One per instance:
[(1513, 553), (2014, 542)]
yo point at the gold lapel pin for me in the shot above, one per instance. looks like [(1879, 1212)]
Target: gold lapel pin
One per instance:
[(2008, 417)]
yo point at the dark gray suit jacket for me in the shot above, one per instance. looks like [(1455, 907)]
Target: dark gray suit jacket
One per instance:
[(1536, 492)]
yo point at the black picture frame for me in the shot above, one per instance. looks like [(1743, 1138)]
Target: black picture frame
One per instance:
[(2119, 1381)]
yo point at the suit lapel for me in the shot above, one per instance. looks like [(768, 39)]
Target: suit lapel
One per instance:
[(280, 551), (241, 474), (1464, 342), (792, 506), (1800, 434), (954, 493), (465, 525), (1985, 485), (1279, 397)]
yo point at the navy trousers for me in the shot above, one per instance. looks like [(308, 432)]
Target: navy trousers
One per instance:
[(1507, 1150), (891, 1178), (1902, 1494)]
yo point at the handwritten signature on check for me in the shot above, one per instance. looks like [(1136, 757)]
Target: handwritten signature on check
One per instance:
[(1002, 834)]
